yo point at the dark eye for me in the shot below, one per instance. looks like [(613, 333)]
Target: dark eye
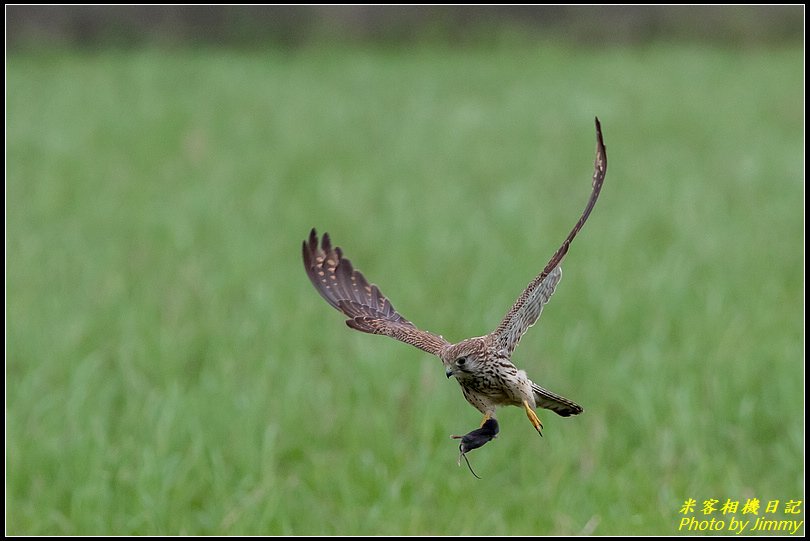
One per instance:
[(461, 360)]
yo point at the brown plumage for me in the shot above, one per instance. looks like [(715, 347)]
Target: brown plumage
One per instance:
[(367, 308), (481, 365)]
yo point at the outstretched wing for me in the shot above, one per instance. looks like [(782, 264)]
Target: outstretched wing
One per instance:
[(529, 305), (346, 289)]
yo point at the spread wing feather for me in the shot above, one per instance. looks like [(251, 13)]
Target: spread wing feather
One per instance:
[(528, 307), (347, 290)]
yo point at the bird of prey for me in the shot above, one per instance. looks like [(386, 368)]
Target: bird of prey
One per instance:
[(482, 365)]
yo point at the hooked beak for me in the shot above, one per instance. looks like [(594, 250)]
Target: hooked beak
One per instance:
[(448, 372)]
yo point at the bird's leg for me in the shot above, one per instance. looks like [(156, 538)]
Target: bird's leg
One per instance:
[(486, 418), (533, 418)]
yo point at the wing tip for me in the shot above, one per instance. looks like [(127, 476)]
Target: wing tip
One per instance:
[(601, 152), (311, 246), (326, 243)]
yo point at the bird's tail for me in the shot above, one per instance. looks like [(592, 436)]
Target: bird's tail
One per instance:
[(554, 402)]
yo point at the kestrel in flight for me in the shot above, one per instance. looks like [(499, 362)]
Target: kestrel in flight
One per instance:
[(481, 365)]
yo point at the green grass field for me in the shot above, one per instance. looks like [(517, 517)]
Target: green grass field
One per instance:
[(170, 370)]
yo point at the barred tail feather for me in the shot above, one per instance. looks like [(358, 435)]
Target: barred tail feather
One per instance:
[(554, 402)]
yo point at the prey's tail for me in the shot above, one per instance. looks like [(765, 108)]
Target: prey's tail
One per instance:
[(554, 402)]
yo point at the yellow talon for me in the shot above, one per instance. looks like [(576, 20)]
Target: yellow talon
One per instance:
[(487, 417), (533, 418)]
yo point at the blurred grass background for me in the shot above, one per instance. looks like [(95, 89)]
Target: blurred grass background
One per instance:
[(170, 370)]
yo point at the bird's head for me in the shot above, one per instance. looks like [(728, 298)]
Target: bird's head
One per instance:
[(462, 360)]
